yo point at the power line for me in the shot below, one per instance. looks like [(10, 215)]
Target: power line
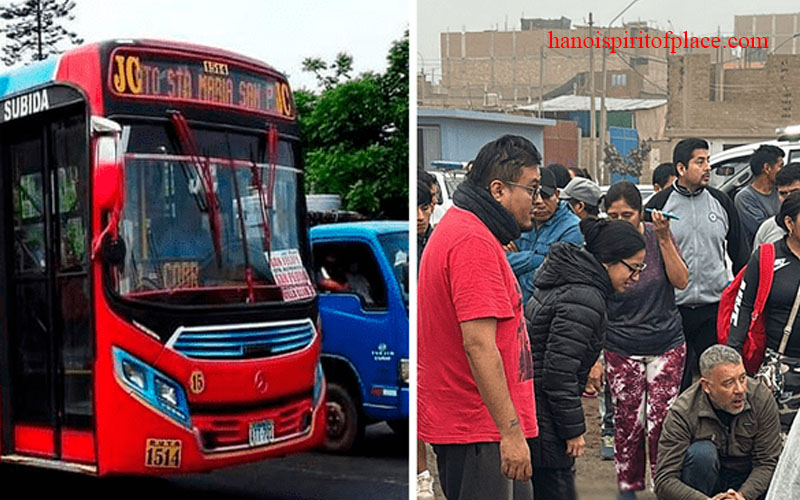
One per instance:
[(641, 75)]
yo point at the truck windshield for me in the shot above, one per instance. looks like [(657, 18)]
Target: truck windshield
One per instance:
[(175, 255), (395, 246)]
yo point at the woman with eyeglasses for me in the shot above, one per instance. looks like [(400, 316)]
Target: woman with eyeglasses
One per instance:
[(645, 347), (566, 320)]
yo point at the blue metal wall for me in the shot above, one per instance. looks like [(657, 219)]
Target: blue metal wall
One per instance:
[(462, 139), (624, 139)]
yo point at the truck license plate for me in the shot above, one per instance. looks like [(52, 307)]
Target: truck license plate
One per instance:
[(262, 432)]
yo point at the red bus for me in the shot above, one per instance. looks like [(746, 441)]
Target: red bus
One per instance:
[(156, 311)]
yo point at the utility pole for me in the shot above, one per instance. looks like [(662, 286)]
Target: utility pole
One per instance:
[(541, 81), (592, 124), (720, 93), (603, 115), (603, 110)]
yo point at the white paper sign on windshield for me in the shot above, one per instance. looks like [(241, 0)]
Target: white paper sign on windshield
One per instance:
[(290, 274)]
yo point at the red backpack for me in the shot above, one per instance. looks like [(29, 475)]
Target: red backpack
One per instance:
[(756, 340)]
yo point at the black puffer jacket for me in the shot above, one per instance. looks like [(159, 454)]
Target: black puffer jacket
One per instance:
[(566, 320)]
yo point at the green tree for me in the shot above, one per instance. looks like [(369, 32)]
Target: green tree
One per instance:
[(355, 134), (631, 164), (34, 27), (338, 71)]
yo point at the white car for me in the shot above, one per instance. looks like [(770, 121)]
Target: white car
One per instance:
[(646, 190), (730, 169), (448, 180)]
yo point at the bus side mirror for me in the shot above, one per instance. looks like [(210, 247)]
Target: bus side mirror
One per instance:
[(108, 173), (108, 179), (113, 251)]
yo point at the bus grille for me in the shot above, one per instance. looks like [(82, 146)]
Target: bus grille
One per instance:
[(230, 430), (247, 342)]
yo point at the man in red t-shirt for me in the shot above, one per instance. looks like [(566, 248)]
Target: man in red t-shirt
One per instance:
[(475, 385)]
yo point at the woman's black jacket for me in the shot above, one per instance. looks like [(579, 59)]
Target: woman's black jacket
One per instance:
[(566, 320)]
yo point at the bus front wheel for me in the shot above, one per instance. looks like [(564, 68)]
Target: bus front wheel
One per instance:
[(344, 426)]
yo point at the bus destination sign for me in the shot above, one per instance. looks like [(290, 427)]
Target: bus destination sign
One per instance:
[(144, 74)]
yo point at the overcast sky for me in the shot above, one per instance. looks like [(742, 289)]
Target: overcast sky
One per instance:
[(696, 17), (281, 33)]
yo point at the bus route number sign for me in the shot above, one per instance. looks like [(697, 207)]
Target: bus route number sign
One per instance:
[(163, 453), (142, 74)]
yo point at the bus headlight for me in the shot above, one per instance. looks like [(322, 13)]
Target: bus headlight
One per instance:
[(157, 390), (166, 392), (133, 375), (319, 381), (404, 370)]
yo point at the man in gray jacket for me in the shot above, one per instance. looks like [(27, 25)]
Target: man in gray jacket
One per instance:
[(721, 438), (708, 228), (788, 182)]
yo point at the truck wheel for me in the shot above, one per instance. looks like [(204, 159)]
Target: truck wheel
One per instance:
[(343, 425)]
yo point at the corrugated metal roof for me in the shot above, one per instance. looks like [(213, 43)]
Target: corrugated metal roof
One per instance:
[(462, 114), (583, 103)]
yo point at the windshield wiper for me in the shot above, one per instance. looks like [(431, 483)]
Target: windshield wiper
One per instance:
[(248, 269), (189, 148), (255, 176), (272, 151)]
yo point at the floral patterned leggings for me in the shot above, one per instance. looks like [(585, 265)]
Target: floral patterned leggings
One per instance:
[(642, 390)]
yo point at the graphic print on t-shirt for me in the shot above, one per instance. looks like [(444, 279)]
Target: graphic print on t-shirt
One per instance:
[(525, 357)]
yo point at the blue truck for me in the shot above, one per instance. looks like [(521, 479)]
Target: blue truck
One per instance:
[(361, 272)]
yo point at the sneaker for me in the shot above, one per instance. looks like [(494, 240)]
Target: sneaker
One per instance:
[(425, 486), (607, 447), (626, 495)]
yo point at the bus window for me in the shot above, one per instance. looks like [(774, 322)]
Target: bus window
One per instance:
[(70, 163), (29, 235), (69, 160), (30, 306)]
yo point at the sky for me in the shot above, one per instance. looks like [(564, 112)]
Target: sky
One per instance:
[(696, 17), (280, 33)]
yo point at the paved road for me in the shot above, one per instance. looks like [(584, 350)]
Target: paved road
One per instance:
[(378, 470)]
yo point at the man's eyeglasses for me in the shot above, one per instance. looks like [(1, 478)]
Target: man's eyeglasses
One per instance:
[(634, 270), (534, 191)]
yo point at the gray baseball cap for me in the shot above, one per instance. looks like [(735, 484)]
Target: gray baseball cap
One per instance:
[(582, 189)]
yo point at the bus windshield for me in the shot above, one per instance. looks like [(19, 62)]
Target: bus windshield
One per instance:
[(174, 252)]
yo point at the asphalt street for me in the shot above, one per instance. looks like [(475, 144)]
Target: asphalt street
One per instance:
[(377, 470)]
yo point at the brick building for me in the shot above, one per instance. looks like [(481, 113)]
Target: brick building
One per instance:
[(495, 69), (780, 30), (731, 106), (637, 119)]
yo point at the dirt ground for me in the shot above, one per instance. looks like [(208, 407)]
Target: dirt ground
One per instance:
[(595, 478)]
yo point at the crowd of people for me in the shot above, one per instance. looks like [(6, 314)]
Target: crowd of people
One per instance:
[(535, 291)]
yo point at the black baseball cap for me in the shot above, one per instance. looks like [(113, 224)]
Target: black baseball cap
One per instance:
[(547, 184)]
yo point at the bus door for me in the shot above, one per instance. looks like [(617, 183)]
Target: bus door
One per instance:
[(49, 347)]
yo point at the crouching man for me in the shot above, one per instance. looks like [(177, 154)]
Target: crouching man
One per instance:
[(721, 438)]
